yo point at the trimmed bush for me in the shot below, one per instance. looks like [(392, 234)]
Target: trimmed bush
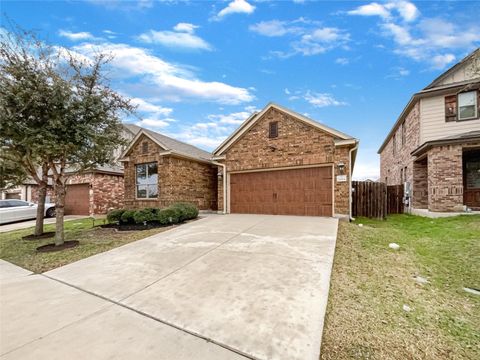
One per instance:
[(114, 216), (127, 217), (187, 211), (145, 215), (168, 216)]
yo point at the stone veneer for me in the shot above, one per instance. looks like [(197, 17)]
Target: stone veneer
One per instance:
[(297, 144), (179, 179)]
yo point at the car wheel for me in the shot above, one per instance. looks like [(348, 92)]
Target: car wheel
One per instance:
[(51, 212)]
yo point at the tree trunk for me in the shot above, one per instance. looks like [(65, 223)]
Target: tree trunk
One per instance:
[(60, 192), (42, 194)]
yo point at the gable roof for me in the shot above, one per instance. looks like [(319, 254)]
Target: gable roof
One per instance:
[(454, 68), (252, 119), (167, 144)]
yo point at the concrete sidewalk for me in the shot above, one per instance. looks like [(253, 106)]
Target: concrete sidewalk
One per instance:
[(30, 223)]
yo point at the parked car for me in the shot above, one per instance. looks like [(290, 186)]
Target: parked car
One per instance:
[(16, 210)]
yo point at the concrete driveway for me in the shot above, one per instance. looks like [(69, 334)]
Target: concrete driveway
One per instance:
[(224, 287)]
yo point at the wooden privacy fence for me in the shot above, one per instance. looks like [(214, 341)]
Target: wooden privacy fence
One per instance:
[(375, 199)]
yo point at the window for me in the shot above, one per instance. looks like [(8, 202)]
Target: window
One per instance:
[(450, 108), (401, 175), (467, 105), (273, 129), (394, 143), (403, 132), (147, 181)]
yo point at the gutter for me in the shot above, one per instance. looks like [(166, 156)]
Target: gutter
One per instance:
[(224, 185), (355, 148)]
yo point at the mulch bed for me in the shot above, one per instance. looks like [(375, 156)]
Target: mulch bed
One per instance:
[(45, 235), (53, 247), (133, 227)]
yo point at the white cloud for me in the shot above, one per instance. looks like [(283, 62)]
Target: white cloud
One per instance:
[(321, 40), (441, 61), (214, 129), (185, 27), (156, 77), (236, 7), (372, 9), (405, 9), (342, 61), (76, 36), (322, 99), (271, 28), (148, 107), (182, 37), (153, 123), (429, 40), (309, 37)]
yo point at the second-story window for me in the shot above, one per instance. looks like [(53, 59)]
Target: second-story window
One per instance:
[(467, 105), (394, 144), (403, 132), (273, 129)]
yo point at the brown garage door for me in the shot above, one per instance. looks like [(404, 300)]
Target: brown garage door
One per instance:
[(77, 199), (283, 192)]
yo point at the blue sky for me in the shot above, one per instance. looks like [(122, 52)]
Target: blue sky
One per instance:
[(196, 69)]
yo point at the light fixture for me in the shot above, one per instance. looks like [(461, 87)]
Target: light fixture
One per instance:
[(341, 167)]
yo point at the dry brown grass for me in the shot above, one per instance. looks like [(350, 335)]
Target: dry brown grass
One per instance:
[(371, 283)]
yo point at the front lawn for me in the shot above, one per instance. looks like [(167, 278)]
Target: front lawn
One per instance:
[(371, 284), (93, 240)]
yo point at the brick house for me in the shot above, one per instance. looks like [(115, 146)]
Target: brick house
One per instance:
[(276, 162), (434, 146), (91, 192)]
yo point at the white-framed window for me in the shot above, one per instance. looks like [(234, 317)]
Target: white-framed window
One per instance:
[(467, 105), (146, 180)]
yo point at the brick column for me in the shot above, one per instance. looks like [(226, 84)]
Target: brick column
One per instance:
[(445, 178), (420, 184)]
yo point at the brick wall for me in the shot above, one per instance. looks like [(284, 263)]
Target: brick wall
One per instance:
[(392, 162), (445, 178), (179, 179), (297, 144), (420, 184), (108, 192)]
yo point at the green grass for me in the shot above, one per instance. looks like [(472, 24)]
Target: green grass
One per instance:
[(93, 240), (371, 283)]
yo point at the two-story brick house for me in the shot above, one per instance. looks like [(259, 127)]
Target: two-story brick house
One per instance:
[(434, 146)]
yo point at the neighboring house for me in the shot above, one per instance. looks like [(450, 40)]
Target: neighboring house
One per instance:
[(276, 162), (90, 192), (434, 146)]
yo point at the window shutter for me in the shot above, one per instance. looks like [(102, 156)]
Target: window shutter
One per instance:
[(451, 108)]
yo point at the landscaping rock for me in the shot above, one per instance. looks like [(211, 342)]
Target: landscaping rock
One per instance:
[(421, 280), (407, 308), (360, 225), (394, 246)]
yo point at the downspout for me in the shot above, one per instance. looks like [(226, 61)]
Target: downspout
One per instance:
[(350, 181), (224, 185)]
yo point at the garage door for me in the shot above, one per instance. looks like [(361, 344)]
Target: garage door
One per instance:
[(77, 199), (283, 192)]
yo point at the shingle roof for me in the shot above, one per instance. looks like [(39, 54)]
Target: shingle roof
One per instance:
[(461, 138), (172, 144)]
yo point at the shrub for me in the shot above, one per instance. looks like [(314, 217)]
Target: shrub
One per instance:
[(127, 217), (114, 216), (168, 216), (145, 215), (188, 211)]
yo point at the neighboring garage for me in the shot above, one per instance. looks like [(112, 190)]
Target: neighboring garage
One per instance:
[(282, 163), (77, 199), (306, 191)]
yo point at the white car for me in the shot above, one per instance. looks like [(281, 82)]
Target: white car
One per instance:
[(16, 210)]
